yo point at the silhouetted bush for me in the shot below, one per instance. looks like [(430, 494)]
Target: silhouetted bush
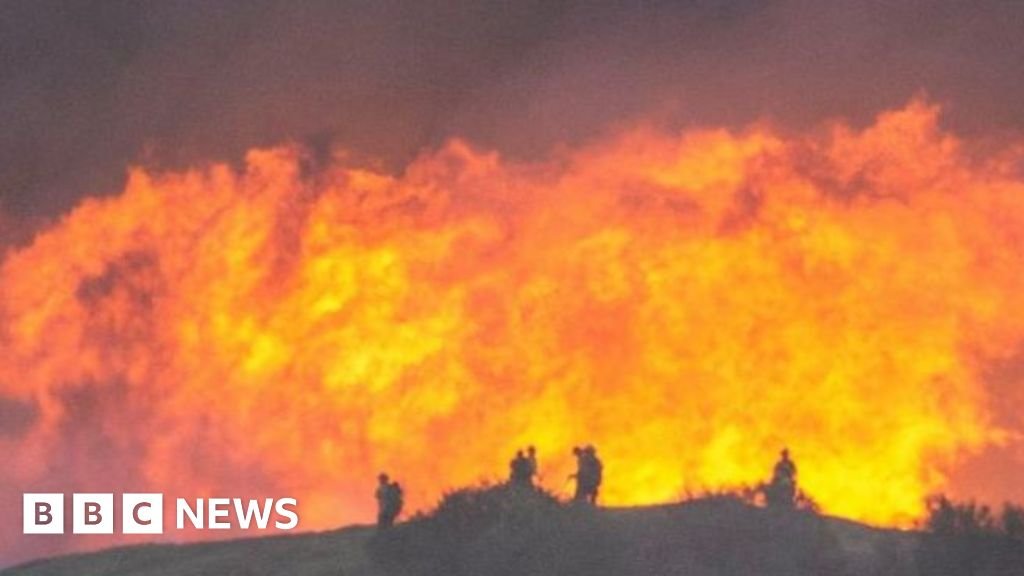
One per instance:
[(488, 530), (948, 517), (478, 508), (966, 538), (1011, 521), (754, 495), (742, 494), (803, 501)]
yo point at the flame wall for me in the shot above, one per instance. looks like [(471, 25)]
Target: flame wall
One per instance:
[(688, 303)]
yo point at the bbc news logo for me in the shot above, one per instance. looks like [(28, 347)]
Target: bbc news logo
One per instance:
[(144, 513)]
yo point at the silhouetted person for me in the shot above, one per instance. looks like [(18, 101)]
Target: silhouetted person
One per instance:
[(531, 457), (580, 476), (596, 471), (589, 472), (389, 501), (785, 469), (513, 467), (782, 489)]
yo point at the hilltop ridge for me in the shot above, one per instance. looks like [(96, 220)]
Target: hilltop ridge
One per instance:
[(505, 530)]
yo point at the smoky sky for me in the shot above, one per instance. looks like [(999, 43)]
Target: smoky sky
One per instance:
[(88, 88)]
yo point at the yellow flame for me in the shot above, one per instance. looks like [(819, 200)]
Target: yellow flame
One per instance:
[(687, 303)]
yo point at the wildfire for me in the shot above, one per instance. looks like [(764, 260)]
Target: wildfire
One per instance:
[(688, 303)]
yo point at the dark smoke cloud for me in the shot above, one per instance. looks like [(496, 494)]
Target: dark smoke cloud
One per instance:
[(88, 87)]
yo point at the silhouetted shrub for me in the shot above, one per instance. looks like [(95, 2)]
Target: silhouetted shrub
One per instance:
[(967, 538), (501, 529), (801, 500), (1011, 521), (740, 494), (478, 508), (753, 495), (948, 517)]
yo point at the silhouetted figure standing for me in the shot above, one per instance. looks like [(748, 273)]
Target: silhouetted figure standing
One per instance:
[(531, 458), (781, 492), (589, 473), (596, 472), (389, 501), (580, 476)]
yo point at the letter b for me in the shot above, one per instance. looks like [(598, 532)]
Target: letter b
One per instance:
[(43, 514), (93, 514)]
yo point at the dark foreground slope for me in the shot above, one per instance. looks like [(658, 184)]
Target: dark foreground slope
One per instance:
[(486, 534)]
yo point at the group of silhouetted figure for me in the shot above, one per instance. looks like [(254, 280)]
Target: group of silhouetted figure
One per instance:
[(780, 492), (523, 468)]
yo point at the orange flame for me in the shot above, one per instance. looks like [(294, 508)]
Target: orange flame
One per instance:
[(687, 303)]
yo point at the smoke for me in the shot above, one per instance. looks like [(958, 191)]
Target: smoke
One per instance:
[(91, 87)]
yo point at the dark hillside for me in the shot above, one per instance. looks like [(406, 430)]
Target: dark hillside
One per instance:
[(497, 531)]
